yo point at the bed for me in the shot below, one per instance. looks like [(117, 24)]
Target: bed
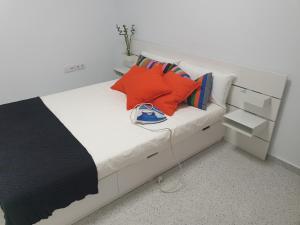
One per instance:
[(97, 118)]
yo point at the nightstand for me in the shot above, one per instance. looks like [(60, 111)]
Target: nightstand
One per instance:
[(120, 71), (248, 131)]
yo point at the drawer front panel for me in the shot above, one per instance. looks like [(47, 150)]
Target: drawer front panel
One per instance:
[(199, 141), (254, 145), (108, 191), (137, 174)]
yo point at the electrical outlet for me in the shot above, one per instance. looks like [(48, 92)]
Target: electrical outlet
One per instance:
[(73, 68)]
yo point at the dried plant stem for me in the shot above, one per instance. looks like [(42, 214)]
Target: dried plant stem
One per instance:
[(127, 36)]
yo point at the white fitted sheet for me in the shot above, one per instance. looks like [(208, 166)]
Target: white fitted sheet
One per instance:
[(97, 117)]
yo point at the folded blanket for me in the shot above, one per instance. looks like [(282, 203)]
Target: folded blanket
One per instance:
[(42, 166)]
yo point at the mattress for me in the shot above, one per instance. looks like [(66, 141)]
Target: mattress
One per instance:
[(97, 117)]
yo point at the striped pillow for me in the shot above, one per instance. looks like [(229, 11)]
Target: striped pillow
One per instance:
[(149, 63), (199, 98), (180, 72)]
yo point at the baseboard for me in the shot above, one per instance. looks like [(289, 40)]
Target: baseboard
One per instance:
[(285, 164)]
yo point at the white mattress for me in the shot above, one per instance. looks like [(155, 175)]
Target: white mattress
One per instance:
[(97, 117)]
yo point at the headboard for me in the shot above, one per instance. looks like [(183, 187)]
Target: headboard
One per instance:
[(255, 95)]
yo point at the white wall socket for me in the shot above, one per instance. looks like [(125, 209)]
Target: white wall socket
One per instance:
[(73, 68)]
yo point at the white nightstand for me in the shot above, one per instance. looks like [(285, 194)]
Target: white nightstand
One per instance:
[(120, 71), (248, 131)]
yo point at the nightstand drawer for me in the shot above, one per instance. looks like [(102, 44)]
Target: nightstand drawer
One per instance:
[(252, 145)]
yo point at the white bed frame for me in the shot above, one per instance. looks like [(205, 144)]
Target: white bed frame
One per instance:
[(125, 180)]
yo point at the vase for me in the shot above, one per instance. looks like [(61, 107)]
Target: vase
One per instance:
[(129, 60)]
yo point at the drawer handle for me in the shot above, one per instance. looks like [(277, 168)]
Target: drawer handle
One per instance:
[(152, 155), (206, 128)]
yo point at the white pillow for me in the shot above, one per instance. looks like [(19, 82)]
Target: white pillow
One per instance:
[(192, 70), (160, 58), (221, 82)]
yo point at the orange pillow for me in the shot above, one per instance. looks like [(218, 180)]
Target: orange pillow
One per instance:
[(181, 87), (134, 71), (145, 87)]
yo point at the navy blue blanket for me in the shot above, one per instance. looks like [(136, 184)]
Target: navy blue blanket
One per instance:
[(42, 166)]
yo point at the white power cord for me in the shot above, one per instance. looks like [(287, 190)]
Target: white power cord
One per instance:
[(180, 182)]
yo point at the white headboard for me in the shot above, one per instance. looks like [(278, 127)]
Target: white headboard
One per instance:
[(251, 84), (263, 82)]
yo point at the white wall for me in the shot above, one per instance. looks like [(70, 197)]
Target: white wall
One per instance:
[(261, 34), (38, 38)]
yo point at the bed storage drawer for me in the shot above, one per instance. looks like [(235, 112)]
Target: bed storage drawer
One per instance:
[(135, 175), (156, 163), (108, 191), (199, 141)]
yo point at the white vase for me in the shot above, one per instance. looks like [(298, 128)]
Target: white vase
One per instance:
[(129, 60)]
